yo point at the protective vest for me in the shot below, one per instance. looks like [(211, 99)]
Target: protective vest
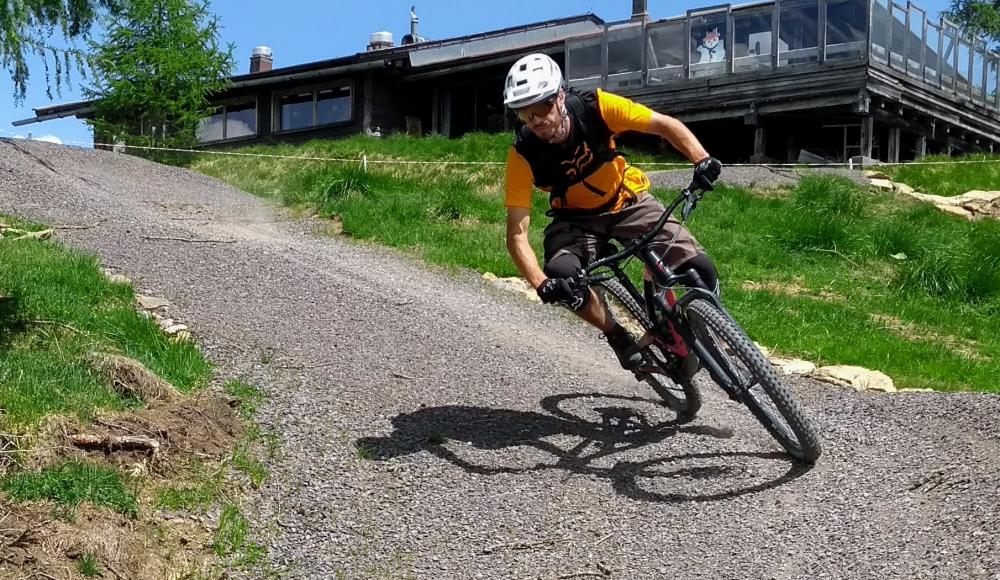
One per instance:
[(560, 166)]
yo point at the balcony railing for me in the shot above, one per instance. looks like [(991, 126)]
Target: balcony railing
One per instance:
[(760, 38)]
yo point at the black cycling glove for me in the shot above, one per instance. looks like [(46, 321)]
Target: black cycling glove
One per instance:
[(564, 291), (706, 172)]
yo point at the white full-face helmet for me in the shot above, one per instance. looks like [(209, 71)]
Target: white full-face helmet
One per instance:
[(533, 78)]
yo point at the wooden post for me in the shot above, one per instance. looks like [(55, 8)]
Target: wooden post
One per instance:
[(758, 143), (893, 145), (867, 135), (921, 147)]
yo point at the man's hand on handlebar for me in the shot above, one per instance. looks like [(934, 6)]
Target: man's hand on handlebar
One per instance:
[(566, 291), (706, 172)]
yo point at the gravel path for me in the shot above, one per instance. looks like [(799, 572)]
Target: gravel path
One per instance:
[(500, 439)]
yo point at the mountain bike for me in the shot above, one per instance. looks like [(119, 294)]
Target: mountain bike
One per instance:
[(680, 327)]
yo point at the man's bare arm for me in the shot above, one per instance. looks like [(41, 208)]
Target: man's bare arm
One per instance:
[(520, 250)]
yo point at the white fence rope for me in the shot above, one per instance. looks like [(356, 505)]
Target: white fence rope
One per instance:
[(365, 160)]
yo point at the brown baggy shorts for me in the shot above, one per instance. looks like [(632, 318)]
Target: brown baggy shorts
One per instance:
[(583, 237)]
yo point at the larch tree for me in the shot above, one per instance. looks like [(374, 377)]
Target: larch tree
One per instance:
[(154, 70), (48, 29)]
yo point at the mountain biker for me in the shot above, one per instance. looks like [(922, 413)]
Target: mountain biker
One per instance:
[(565, 146)]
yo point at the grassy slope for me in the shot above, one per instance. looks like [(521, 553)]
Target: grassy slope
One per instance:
[(57, 307), (862, 279), (941, 176)]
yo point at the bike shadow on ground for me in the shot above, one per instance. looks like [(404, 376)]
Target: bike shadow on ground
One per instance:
[(620, 426)]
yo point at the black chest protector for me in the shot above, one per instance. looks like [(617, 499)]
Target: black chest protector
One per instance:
[(558, 166)]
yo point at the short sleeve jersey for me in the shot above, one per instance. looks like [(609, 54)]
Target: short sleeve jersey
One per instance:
[(620, 114)]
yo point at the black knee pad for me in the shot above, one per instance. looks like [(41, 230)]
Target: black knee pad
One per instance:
[(562, 266)]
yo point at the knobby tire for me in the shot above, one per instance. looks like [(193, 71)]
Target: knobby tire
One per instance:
[(772, 404)]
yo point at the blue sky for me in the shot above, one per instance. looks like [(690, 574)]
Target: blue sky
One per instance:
[(303, 31)]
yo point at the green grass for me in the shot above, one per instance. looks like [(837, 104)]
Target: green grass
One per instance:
[(70, 484), (55, 307), (231, 539), (87, 565), (950, 178), (879, 281)]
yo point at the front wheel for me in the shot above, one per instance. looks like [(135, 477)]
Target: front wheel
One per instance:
[(747, 373), (660, 368)]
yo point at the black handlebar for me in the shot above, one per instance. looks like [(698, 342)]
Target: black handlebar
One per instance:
[(690, 196)]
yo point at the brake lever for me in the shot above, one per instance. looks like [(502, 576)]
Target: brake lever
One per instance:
[(690, 202)]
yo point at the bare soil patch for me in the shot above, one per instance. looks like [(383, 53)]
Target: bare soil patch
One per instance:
[(39, 538)]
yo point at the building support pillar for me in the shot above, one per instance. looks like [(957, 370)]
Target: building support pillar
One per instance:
[(893, 145), (366, 116), (921, 151), (759, 142), (867, 135)]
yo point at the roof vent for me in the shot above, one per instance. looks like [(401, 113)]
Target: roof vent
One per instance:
[(413, 37), (379, 40)]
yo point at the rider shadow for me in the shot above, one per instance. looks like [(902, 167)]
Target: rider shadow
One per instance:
[(622, 427)]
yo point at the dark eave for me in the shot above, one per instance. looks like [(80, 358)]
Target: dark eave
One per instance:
[(394, 56)]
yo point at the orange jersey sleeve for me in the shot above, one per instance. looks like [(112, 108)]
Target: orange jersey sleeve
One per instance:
[(622, 114), (518, 181)]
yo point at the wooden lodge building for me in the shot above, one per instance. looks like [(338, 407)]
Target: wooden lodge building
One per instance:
[(785, 80)]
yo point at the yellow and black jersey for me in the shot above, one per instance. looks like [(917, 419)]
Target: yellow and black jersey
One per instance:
[(592, 180)]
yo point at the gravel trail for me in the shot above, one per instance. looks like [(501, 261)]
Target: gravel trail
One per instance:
[(498, 438)]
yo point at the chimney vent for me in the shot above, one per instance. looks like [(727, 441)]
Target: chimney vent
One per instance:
[(413, 37), (639, 10), (260, 60), (379, 40)]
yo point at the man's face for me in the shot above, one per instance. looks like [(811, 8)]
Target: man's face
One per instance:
[(545, 117)]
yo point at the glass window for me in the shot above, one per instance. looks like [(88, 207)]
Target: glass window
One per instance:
[(625, 57), (212, 128), (584, 61), (978, 69), (666, 53), (880, 30), (231, 121), (991, 80), (708, 44), (948, 56), (752, 39), (916, 40), (897, 36), (333, 106), (798, 31), (962, 71), (845, 29), (931, 64), (241, 120), (296, 111)]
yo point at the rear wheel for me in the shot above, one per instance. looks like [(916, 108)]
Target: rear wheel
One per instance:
[(749, 374), (660, 368)]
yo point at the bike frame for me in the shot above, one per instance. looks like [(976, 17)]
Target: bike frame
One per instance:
[(664, 309)]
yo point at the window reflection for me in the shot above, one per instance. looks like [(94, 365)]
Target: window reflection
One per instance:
[(798, 32), (752, 40), (241, 120), (583, 65), (296, 111), (666, 53), (333, 106), (230, 121), (625, 58), (845, 29), (315, 108)]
